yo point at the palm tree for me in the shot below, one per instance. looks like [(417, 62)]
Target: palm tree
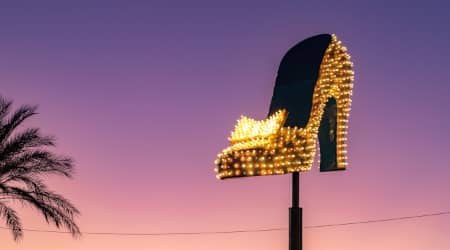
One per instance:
[(24, 159)]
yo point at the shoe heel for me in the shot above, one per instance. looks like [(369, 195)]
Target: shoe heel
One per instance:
[(337, 74)]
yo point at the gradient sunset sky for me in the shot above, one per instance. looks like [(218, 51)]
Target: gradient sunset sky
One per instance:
[(143, 95)]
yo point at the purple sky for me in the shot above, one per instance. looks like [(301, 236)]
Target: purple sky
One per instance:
[(143, 96)]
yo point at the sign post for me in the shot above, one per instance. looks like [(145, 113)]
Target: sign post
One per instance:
[(295, 217)]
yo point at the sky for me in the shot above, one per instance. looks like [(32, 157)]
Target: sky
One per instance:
[(143, 94)]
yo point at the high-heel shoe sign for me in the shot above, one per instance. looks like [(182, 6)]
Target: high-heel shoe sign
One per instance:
[(311, 101)]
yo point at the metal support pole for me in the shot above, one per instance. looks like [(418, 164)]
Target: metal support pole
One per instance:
[(295, 217)]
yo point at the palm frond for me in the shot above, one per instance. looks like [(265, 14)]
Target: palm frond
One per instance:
[(38, 162), (21, 114), (5, 105), (12, 220), (22, 141), (54, 208)]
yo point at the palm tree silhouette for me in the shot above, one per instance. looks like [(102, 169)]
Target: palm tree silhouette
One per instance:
[(24, 159)]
